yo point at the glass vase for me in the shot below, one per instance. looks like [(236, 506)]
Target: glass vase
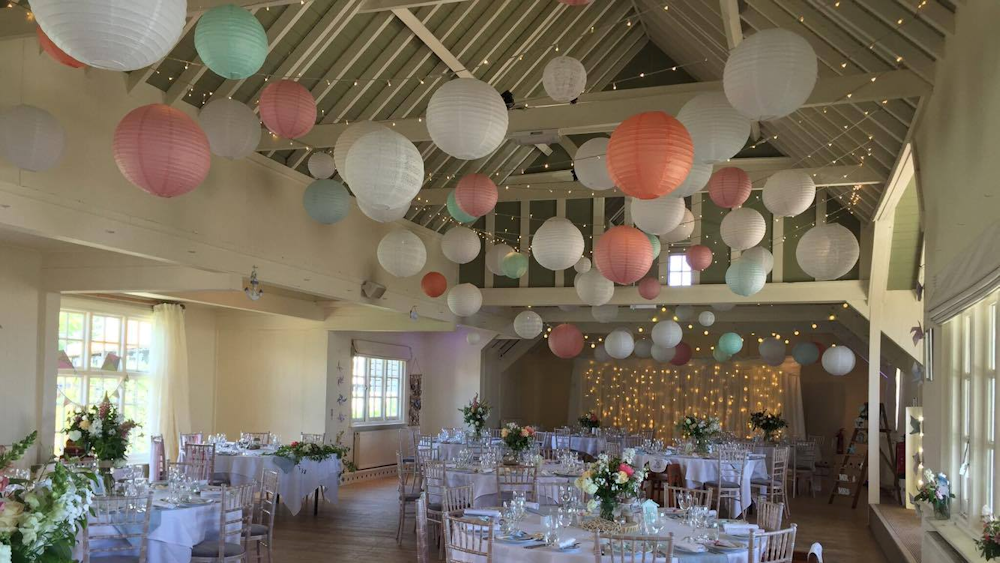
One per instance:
[(942, 510), (608, 506)]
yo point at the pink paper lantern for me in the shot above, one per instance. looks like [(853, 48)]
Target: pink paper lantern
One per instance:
[(649, 155), (161, 150), (729, 187), (623, 254), (566, 341), (649, 288), (288, 109), (699, 257), (682, 354), (55, 52), (476, 194)]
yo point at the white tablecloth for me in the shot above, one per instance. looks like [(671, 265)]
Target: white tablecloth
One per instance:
[(592, 445), (295, 481), (699, 470), (448, 451), (484, 485)]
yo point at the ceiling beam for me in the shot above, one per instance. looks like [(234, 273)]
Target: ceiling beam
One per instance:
[(199, 6), (731, 25), (751, 314), (433, 43), (268, 303), (136, 278), (392, 5)]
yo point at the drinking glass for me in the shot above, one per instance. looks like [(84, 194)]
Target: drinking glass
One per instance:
[(551, 529), (657, 523), (566, 496)]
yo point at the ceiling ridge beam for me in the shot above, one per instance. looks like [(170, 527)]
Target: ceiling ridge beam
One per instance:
[(390, 5)]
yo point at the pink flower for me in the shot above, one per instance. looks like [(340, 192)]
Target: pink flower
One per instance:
[(4, 481), (104, 409), (626, 469)]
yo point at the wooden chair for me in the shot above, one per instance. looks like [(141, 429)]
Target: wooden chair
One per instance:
[(115, 525), (467, 540), (627, 548), (613, 447), (775, 484), (408, 487), (235, 513), (433, 476), (157, 459), (700, 497), (729, 486), (263, 438), (672, 476), (459, 498), (769, 514), (772, 547), (426, 449), (634, 441), (423, 541), (262, 525), (561, 441), (803, 465), (312, 438), (407, 438), (512, 478), (202, 458), (185, 439), (493, 433)]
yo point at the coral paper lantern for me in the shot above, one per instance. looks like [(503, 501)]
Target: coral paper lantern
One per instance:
[(31, 138), (465, 300), (476, 194), (805, 353), (494, 258), (591, 164), (385, 170), (594, 289), (564, 79), (827, 251), (649, 288), (288, 109), (604, 313), (746, 277), (770, 74), (321, 165), (729, 187), (566, 341), (231, 42), (557, 244), (382, 214), (623, 254), (838, 360), (619, 344), (515, 265), (667, 334), (682, 354), (772, 351), (657, 216), (662, 354), (402, 253), (743, 228), (717, 130), (699, 257), (528, 324), (461, 245), (650, 155), (433, 284), (232, 128), (347, 139), (161, 150), (53, 50), (683, 231), (789, 192), (456, 212), (326, 201), (582, 265), (467, 118), (695, 181)]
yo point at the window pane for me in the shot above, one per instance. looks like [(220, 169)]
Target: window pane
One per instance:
[(393, 389), (967, 344), (100, 386), (678, 271), (70, 388), (137, 354), (135, 406), (991, 410), (966, 406), (989, 480), (358, 389), (376, 387), (105, 345), (991, 346)]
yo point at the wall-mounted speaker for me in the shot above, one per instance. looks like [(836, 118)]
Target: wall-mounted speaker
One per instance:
[(372, 290)]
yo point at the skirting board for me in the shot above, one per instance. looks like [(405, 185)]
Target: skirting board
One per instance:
[(368, 474)]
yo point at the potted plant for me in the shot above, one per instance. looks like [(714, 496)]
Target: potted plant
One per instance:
[(700, 430), (100, 431), (769, 424), (517, 439), (475, 414), (989, 543), (611, 481)]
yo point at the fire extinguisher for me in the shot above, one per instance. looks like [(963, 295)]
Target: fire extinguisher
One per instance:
[(840, 441)]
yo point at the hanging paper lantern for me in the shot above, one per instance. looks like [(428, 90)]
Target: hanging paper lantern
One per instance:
[(699, 257), (770, 74), (591, 164), (717, 130), (601, 355), (385, 169), (326, 201), (805, 353), (682, 354), (654, 242), (706, 318), (720, 356), (623, 254), (31, 138), (467, 118), (494, 258), (476, 194), (593, 288), (827, 251), (566, 341), (684, 313), (657, 216), (161, 150), (321, 165), (456, 212), (582, 265), (683, 230), (557, 244), (567, 308), (434, 284), (53, 50), (465, 300), (695, 181), (528, 324), (772, 351), (762, 255), (232, 128), (514, 265), (649, 155), (231, 42), (402, 253), (723, 307), (649, 288), (288, 109), (820, 347), (382, 215), (564, 79), (604, 313), (643, 349), (619, 344), (347, 139), (473, 338), (667, 334), (789, 192), (729, 187), (730, 343), (119, 35), (743, 228), (746, 277), (461, 245), (662, 354), (838, 360)]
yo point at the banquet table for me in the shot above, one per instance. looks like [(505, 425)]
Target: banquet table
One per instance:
[(296, 481), (701, 470), (591, 445), (484, 483)]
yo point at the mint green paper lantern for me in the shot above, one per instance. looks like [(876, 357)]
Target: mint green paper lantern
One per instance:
[(326, 201), (655, 242), (746, 277), (720, 356), (231, 42), (730, 343), (456, 211), (805, 353), (515, 265)]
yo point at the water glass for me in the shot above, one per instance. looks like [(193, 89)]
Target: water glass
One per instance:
[(551, 526)]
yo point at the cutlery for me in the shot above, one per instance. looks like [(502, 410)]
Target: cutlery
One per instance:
[(536, 546)]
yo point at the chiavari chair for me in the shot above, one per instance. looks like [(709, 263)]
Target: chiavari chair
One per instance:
[(769, 514), (200, 457), (157, 459), (408, 487), (520, 478), (803, 464), (551, 494), (731, 465), (185, 439), (423, 541), (262, 438), (235, 514), (628, 548), (459, 498), (698, 497), (467, 539), (117, 527), (772, 547), (262, 525), (774, 485)]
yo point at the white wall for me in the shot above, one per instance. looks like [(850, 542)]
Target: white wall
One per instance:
[(200, 326)]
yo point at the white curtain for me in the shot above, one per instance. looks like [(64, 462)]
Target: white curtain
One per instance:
[(170, 411)]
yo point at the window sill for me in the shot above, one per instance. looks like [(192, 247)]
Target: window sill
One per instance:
[(363, 426)]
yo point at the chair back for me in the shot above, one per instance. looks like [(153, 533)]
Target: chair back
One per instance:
[(779, 468), (561, 441), (407, 438), (408, 474), (732, 463), (268, 503), (201, 457), (772, 547), (185, 439), (313, 438), (628, 548), (804, 454), (116, 524), (699, 497), (769, 514), (551, 494), (423, 542), (426, 448), (434, 482), (613, 447), (262, 438), (467, 539), (459, 498), (517, 478), (235, 515), (157, 459), (494, 433), (634, 441)]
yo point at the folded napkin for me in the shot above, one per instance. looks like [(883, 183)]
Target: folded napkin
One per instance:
[(482, 512), (690, 546), (739, 528), (566, 543)]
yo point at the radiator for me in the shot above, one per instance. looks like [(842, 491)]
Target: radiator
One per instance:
[(375, 448)]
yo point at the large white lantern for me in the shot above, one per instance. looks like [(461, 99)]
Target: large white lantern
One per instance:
[(827, 251), (385, 170), (706, 318), (119, 35), (233, 129), (717, 130), (321, 165), (743, 228), (591, 164), (528, 324), (402, 253), (770, 74), (746, 277), (465, 300), (644, 348), (788, 193), (593, 288), (772, 351), (564, 79), (619, 344), (838, 360), (667, 334), (604, 313), (684, 313), (696, 181), (762, 255), (382, 215), (557, 244), (657, 216), (460, 245), (683, 231), (347, 139), (583, 265), (662, 354), (494, 258), (31, 138), (467, 118)]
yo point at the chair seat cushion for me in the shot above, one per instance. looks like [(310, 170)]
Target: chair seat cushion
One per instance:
[(116, 559), (764, 482), (411, 496), (435, 507), (211, 549), (258, 530), (725, 485)]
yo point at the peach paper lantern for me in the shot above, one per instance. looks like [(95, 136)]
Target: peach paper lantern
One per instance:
[(288, 109), (434, 284), (682, 354), (53, 50), (699, 257), (649, 288), (566, 341), (623, 254), (476, 194), (729, 187), (649, 155), (161, 150)]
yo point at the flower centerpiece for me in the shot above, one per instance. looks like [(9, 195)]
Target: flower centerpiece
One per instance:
[(767, 423), (700, 430), (475, 414), (100, 431), (517, 438), (610, 481), (590, 420), (297, 451), (989, 543), (936, 491)]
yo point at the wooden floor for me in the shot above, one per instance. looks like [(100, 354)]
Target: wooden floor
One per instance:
[(361, 528)]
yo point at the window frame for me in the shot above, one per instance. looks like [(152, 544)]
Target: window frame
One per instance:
[(685, 272), (367, 420)]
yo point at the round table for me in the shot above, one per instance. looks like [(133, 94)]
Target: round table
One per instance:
[(448, 451), (701, 470), (590, 445), (295, 482), (484, 482)]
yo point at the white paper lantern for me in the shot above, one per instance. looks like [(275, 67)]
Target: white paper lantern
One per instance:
[(643, 349), (723, 307), (557, 244), (770, 74), (564, 79), (460, 245), (619, 344), (788, 193), (683, 231), (382, 215), (743, 228), (696, 181), (567, 308), (662, 354), (762, 255), (402, 253), (684, 313), (321, 165), (827, 251), (31, 138), (233, 129), (838, 360), (494, 258), (467, 118), (465, 300), (473, 338), (528, 324), (657, 216), (347, 139), (601, 355), (746, 277), (604, 313), (591, 164), (706, 318), (583, 265), (120, 35), (718, 131), (772, 351), (385, 170), (667, 334), (593, 288)]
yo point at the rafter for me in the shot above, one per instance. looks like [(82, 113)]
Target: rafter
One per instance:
[(389, 5)]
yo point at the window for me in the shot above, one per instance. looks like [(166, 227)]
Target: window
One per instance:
[(678, 270), (965, 414), (377, 390), (989, 495)]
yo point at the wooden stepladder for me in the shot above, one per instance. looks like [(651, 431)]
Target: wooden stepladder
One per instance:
[(853, 472)]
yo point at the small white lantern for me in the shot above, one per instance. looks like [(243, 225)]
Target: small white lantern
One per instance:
[(743, 228), (770, 74), (772, 351), (402, 253), (494, 258), (460, 244), (682, 232), (746, 277), (684, 313), (467, 118), (838, 360), (788, 193), (706, 318), (662, 354), (593, 288), (233, 129), (717, 130), (657, 216), (557, 244), (385, 170), (583, 265), (591, 164), (473, 338), (321, 165), (667, 334), (619, 344), (827, 251), (465, 300), (696, 181), (564, 79), (31, 138), (762, 255), (382, 215), (604, 313), (644, 348), (347, 139), (528, 324)]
